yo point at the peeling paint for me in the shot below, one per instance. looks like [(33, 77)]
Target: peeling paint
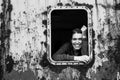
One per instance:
[(23, 40)]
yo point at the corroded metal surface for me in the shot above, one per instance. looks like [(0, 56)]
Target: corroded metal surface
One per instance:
[(23, 40)]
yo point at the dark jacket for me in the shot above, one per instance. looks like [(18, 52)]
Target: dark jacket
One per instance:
[(67, 53)]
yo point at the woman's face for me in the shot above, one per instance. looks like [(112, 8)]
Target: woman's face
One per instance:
[(76, 41)]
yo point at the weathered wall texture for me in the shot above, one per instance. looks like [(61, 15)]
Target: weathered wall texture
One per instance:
[(23, 40)]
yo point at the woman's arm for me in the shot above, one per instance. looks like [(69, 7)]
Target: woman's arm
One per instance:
[(62, 55), (84, 29)]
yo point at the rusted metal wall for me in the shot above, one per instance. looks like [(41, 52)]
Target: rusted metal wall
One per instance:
[(23, 40)]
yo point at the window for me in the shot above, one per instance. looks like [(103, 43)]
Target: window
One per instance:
[(61, 22)]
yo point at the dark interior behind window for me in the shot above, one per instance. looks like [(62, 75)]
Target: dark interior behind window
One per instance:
[(62, 24)]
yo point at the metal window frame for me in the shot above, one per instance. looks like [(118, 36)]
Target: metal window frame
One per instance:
[(90, 47)]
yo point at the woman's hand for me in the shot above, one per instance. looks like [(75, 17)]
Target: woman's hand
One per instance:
[(83, 58), (84, 28)]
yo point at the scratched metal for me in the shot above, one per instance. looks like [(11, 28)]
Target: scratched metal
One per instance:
[(24, 40)]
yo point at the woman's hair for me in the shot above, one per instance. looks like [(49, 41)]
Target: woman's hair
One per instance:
[(76, 30)]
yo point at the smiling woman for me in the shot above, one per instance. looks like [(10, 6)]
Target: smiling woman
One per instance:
[(68, 35), (74, 49)]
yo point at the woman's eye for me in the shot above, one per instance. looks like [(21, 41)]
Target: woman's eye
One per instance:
[(74, 38), (79, 39)]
